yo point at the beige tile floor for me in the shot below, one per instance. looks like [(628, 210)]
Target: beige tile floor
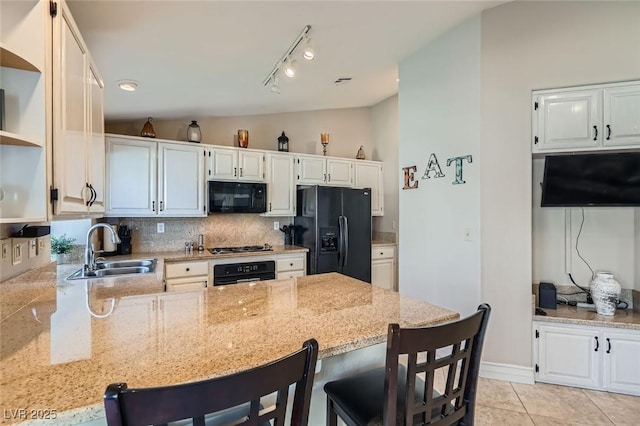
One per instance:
[(505, 403)]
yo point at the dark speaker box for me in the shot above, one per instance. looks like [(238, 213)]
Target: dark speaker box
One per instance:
[(547, 295), (33, 231)]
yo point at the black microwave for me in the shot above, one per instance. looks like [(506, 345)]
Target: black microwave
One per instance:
[(237, 197)]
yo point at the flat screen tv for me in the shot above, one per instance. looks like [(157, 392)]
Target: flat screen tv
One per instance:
[(591, 180)]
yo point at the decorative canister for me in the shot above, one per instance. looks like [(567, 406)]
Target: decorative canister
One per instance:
[(605, 292)]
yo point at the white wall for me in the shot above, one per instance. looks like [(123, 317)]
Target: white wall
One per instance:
[(439, 110), (384, 122), (348, 128), (528, 46)]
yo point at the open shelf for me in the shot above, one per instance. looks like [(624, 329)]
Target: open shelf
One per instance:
[(8, 138), (11, 60)]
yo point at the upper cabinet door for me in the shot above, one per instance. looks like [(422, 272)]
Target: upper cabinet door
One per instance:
[(180, 180), (223, 164), (281, 185), (567, 119), (339, 172), (131, 177), (251, 166), (369, 175), (312, 170), (621, 116), (96, 137), (70, 148)]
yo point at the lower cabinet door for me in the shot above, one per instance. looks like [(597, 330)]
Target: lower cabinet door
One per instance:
[(621, 371), (570, 356), (383, 273)]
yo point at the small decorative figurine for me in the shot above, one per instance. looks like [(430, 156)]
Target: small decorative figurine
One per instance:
[(324, 140), (360, 155), (147, 130), (283, 142), (243, 138)]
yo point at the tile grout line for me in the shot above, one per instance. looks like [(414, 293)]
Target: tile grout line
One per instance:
[(596, 404)]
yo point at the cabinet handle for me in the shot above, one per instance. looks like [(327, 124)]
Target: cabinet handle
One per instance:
[(381, 253), (597, 344), (235, 174), (161, 206), (153, 206), (188, 269), (325, 177), (88, 202), (595, 129), (240, 171), (95, 194), (269, 206), (608, 132), (329, 177), (608, 346), (291, 264)]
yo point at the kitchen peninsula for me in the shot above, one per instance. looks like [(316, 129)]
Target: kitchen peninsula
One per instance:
[(63, 342)]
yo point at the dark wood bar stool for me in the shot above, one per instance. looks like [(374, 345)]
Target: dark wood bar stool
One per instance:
[(161, 405), (395, 395)]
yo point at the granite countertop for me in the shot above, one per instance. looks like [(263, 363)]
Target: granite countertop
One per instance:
[(181, 256), (62, 342), (625, 318)]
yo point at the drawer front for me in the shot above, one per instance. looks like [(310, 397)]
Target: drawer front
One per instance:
[(185, 284), (186, 269), (382, 252), (290, 264), (289, 274)]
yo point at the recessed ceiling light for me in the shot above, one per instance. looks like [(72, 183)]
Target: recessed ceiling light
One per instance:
[(128, 85)]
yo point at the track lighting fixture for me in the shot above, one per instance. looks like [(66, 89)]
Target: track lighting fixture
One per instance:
[(290, 68), (286, 64), (274, 84), (308, 52)]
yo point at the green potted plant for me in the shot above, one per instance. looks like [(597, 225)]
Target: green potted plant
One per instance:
[(61, 248)]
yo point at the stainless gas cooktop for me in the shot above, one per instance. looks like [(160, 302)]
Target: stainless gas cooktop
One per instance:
[(242, 249)]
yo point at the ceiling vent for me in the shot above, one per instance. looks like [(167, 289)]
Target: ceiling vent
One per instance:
[(342, 80)]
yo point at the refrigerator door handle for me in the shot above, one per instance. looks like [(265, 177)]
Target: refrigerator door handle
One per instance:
[(340, 242), (345, 257)]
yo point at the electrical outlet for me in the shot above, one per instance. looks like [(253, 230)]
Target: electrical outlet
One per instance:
[(467, 235), (16, 255), (160, 228), (33, 251), (276, 225), (5, 249), (41, 246)]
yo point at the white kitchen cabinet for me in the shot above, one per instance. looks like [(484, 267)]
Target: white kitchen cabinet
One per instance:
[(77, 108), (368, 174), (291, 265), (600, 358), (154, 178), (621, 116), (620, 362), (180, 180), (235, 164), (318, 170), (281, 185), (587, 118), (191, 275), (24, 44), (383, 266)]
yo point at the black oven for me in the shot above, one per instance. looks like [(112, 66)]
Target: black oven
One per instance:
[(237, 273), (237, 197)]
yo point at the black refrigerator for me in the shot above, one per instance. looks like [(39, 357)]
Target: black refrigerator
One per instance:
[(335, 225)]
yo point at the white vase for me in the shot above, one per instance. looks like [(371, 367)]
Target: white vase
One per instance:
[(605, 292)]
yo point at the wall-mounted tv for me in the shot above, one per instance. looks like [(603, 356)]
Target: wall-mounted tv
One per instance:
[(601, 179)]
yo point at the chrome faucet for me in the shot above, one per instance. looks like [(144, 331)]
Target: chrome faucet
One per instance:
[(89, 259)]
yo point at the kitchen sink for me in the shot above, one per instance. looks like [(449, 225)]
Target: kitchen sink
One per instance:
[(147, 263), (116, 268)]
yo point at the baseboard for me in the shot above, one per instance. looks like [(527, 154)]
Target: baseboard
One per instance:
[(507, 372)]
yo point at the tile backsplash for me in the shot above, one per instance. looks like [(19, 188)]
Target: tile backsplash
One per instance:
[(219, 230)]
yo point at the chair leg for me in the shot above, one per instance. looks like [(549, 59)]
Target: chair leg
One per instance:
[(332, 416)]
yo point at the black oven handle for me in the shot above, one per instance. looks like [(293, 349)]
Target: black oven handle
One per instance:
[(345, 256)]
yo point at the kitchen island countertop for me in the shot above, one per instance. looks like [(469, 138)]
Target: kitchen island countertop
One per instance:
[(63, 342)]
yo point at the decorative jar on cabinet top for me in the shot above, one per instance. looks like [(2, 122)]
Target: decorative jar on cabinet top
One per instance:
[(605, 291)]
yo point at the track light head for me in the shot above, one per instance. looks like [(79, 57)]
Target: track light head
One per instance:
[(274, 85), (290, 68), (308, 52)]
